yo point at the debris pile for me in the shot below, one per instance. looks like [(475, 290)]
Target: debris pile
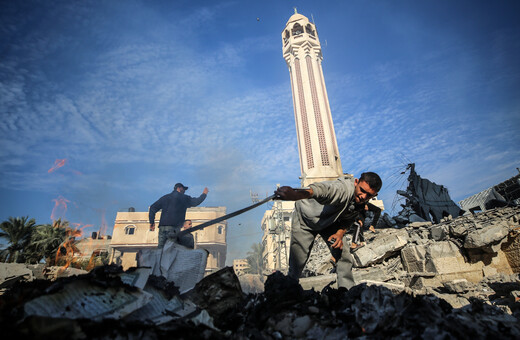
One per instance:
[(218, 309), (469, 251), (455, 279)]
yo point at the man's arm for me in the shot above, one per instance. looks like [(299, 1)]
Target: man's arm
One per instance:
[(286, 193), (194, 201), (335, 192), (337, 238), (154, 208)]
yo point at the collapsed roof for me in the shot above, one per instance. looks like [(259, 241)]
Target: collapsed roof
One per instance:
[(427, 200)]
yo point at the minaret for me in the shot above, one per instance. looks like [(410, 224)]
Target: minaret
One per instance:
[(319, 155)]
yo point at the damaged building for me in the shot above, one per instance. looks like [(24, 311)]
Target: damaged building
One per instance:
[(502, 194), (424, 201)]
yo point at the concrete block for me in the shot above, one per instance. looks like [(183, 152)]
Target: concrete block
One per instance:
[(489, 271), (483, 237), (438, 233), (369, 274), (318, 282), (442, 258), (414, 258), (380, 248), (511, 249)]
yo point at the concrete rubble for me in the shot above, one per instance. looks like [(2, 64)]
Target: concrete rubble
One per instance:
[(425, 257), (455, 279)]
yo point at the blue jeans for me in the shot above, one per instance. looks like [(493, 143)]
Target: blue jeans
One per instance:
[(168, 232)]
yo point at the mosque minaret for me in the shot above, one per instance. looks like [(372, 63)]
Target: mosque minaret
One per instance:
[(317, 145)]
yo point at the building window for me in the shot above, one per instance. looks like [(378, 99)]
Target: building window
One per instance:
[(130, 229), (220, 229)]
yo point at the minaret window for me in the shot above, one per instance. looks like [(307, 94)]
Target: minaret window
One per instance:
[(308, 29), (220, 229), (297, 29), (287, 35)]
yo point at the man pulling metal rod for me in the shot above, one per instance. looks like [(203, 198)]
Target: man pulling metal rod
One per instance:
[(327, 208)]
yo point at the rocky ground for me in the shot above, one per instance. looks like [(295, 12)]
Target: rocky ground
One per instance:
[(457, 279)]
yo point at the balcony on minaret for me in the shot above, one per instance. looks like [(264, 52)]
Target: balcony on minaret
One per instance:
[(298, 30)]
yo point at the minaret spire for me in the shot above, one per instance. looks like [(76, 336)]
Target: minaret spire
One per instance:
[(319, 155)]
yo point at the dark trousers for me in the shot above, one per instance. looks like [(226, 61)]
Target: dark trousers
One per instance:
[(168, 232)]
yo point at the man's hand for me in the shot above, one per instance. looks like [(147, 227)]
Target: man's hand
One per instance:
[(205, 191), (152, 227), (338, 239), (286, 193)]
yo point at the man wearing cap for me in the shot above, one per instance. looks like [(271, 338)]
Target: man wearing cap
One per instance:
[(174, 206)]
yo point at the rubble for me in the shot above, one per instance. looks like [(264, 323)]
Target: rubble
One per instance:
[(420, 281), (217, 309)]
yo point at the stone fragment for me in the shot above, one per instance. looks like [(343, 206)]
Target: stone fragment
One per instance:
[(459, 286), (381, 248), (458, 229), (438, 232), (511, 249), (456, 301), (419, 224), (486, 236), (369, 274)]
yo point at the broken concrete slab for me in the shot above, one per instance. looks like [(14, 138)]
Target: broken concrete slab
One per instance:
[(439, 232), (286, 310), (370, 274), (319, 282), (83, 300), (381, 248), (442, 258), (485, 236), (11, 273), (511, 249), (420, 224), (459, 286)]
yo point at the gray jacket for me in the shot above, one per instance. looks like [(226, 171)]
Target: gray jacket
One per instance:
[(332, 202)]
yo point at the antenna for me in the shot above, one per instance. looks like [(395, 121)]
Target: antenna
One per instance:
[(254, 196)]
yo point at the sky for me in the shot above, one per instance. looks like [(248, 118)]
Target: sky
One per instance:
[(105, 105)]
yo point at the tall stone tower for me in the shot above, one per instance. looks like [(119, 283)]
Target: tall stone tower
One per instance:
[(319, 155)]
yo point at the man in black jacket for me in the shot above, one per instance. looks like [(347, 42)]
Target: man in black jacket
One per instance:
[(174, 206)]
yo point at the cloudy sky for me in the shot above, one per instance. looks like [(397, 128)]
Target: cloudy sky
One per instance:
[(105, 105)]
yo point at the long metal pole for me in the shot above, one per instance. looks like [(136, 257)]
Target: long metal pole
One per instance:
[(225, 217)]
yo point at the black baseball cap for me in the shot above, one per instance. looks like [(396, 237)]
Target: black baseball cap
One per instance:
[(179, 185)]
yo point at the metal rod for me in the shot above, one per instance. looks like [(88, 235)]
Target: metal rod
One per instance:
[(225, 217)]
